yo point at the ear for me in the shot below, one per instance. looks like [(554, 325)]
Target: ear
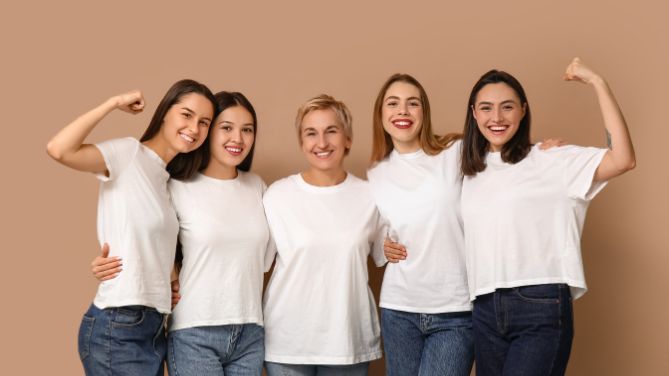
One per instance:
[(349, 143), (524, 110), (474, 113)]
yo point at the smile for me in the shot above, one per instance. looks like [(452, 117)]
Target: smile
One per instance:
[(186, 138), (498, 129), (402, 123), (234, 150), (323, 154)]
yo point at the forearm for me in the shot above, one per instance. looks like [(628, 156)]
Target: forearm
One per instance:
[(66, 143)]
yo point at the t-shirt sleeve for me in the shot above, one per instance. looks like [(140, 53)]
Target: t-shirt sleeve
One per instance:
[(377, 243), (579, 167), (117, 153)]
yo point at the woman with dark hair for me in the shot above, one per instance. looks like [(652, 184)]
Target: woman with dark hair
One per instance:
[(523, 212), (123, 330), (415, 181), (217, 326)]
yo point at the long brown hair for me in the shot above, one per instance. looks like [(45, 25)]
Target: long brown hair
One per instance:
[(183, 165), (475, 146), (382, 143)]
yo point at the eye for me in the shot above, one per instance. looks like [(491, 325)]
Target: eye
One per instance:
[(187, 115), (391, 103), (485, 108), (204, 123), (247, 130), (508, 107), (414, 104), (226, 128)]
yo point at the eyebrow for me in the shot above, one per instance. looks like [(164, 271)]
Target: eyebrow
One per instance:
[(397, 98), (502, 102), (335, 126), (193, 113), (230, 122)]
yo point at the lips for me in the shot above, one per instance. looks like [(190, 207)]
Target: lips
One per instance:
[(187, 138), (323, 154), (497, 129), (234, 150), (402, 123)]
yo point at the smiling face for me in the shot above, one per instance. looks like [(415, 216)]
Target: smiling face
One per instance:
[(231, 137), (402, 116), (498, 112), (184, 127), (324, 140)]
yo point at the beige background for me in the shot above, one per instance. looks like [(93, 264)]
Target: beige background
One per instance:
[(61, 58)]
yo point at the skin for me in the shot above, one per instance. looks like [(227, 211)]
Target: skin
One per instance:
[(402, 116), (184, 130), (324, 144), (498, 113)]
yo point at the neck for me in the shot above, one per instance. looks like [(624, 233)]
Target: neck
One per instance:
[(324, 178), (406, 147), (217, 170), (161, 148)]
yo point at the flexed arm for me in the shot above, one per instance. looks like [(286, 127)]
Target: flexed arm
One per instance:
[(68, 148), (620, 156)]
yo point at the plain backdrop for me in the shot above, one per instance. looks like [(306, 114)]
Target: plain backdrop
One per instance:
[(59, 59)]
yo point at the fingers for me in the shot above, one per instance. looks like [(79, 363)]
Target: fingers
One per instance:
[(105, 250), (175, 292), (106, 268), (551, 143), (394, 252)]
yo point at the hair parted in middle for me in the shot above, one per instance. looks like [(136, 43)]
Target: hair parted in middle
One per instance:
[(475, 146), (325, 102), (382, 143)]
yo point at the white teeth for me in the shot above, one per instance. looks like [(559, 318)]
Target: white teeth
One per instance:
[(186, 137), (323, 154), (233, 150), (498, 128), (402, 123)]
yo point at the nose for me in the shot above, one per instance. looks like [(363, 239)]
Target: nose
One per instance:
[(322, 141), (497, 115), (236, 135), (403, 108)]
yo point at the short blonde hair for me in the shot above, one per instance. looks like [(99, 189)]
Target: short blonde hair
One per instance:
[(325, 102)]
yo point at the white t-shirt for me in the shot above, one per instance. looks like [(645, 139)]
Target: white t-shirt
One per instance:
[(419, 195), (225, 239), (523, 221), (136, 218), (318, 306)]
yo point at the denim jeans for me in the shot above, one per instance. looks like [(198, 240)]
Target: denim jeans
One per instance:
[(427, 344), (231, 350), (523, 331), (122, 341), (281, 369)]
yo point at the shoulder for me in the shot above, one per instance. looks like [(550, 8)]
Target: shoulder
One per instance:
[(252, 180), (280, 186)]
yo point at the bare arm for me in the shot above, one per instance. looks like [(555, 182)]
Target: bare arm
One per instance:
[(620, 156), (67, 146)]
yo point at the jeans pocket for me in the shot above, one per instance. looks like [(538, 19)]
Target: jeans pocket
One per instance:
[(84, 338), (546, 294), (128, 316)]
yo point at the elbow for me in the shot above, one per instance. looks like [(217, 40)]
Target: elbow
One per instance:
[(53, 151), (627, 165)]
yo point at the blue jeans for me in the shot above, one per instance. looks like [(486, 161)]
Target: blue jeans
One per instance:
[(234, 350), (523, 331), (281, 369), (427, 344), (122, 341)]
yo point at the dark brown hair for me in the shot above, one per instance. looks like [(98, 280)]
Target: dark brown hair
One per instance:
[(183, 165), (382, 143), (475, 146)]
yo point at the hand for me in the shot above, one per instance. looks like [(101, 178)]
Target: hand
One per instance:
[(131, 102), (104, 267), (175, 293), (394, 252), (550, 143), (577, 71)]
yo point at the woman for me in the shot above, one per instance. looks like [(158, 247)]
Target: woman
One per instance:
[(122, 332), (523, 212), (320, 315), (416, 183), (216, 329)]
